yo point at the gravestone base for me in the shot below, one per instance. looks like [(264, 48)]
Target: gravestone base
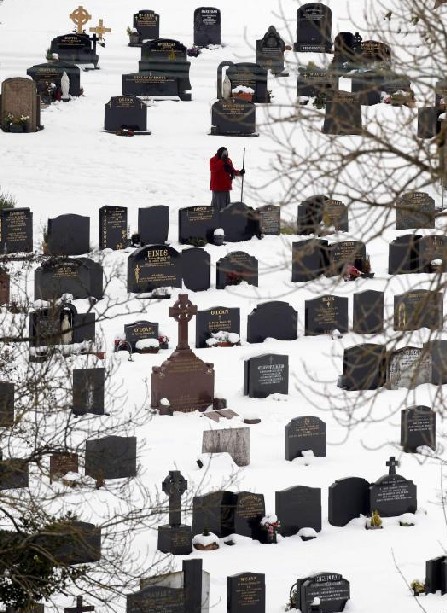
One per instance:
[(216, 132), (176, 540)]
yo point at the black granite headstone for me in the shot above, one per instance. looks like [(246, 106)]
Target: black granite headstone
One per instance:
[(88, 391), (140, 331), (246, 592), (415, 210), (235, 268), (431, 248), (215, 512), (325, 314), (343, 114), (239, 222), (127, 112), (147, 24), (207, 26), (150, 84), (251, 75), (112, 457), (331, 588), (76, 48), (418, 427), (314, 28), (345, 252), (196, 269), (368, 312), (309, 259), (314, 81), (393, 495), (153, 225), (266, 374), (404, 254), (81, 277), (305, 434), (16, 230), (418, 309), (68, 235), (156, 599), (73, 542), (270, 51), (112, 227), (335, 215), (364, 367), (348, 499), (197, 224), (152, 267), (269, 219), (310, 214), (216, 319), (52, 72), (6, 404), (248, 512), (275, 319), (298, 507), (436, 575), (233, 117)]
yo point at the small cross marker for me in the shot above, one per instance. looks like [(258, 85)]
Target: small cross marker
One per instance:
[(392, 465)]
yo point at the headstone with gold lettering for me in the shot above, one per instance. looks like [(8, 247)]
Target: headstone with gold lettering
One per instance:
[(184, 379), (81, 277), (52, 72), (125, 112), (233, 117), (325, 314), (197, 224), (248, 512), (16, 230), (113, 227), (153, 267), (19, 105), (246, 592)]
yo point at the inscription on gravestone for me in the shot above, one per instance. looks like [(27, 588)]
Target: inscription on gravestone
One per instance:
[(249, 511), (216, 319), (418, 427), (269, 219), (409, 367), (305, 434), (393, 495), (112, 227), (325, 314), (246, 592), (415, 210), (16, 230), (266, 374), (331, 588), (233, 117)]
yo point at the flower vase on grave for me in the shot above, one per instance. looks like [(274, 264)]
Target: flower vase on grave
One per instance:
[(218, 237)]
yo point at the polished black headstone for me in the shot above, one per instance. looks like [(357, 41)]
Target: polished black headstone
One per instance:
[(270, 51), (68, 235), (436, 575), (346, 252), (431, 248), (214, 512), (275, 319), (233, 117), (14, 474), (438, 354), (81, 277), (309, 259), (393, 495), (140, 331), (305, 434), (266, 374), (88, 391), (298, 507), (314, 81), (368, 312), (156, 599), (196, 269), (6, 404), (348, 499), (207, 26), (74, 47), (310, 214), (246, 593), (112, 457), (216, 319), (343, 114), (197, 224), (153, 225), (314, 28), (364, 367), (235, 268), (404, 254), (418, 309), (150, 84), (127, 112), (269, 219), (239, 222), (72, 542), (251, 75), (113, 227), (418, 427), (331, 588), (248, 512), (325, 314), (147, 24), (52, 72), (152, 267), (16, 230)]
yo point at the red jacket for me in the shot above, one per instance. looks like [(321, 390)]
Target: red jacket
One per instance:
[(220, 179)]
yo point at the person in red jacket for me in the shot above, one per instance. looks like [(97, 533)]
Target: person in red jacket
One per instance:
[(221, 179)]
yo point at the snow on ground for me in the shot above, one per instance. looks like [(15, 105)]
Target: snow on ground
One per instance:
[(74, 167)]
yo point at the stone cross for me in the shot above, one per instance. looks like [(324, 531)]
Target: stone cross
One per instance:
[(79, 17), (100, 29), (392, 465), (183, 311), (79, 607), (175, 486)]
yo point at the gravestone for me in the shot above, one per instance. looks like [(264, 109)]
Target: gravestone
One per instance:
[(248, 512), (431, 248), (152, 84), (197, 225), (234, 441), (408, 367), (429, 122), (147, 24), (152, 267), (252, 76), (207, 26), (275, 319), (19, 98), (233, 117), (14, 474), (125, 112), (309, 259), (246, 592), (335, 215), (5, 282), (343, 114), (153, 224), (305, 434), (313, 28), (51, 73), (418, 427), (60, 325), (140, 331), (113, 227), (331, 588), (438, 354), (111, 457), (215, 512), (239, 222), (315, 81), (156, 599), (348, 499), (404, 254), (418, 309), (80, 607), (368, 312), (175, 538), (393, 495), (235, 268), (68, 235), (415, 210), (364, 367), (6, 404), (436, 575), (368, 86), (196, 269), (185, 380), (310, 214), (345, 252), (270, 51), (216, 319), (374, 52), (325, 314), (266, 374), (81, 277), (74, 542), (269, 219), (63, 462), (16, 230), (298, 507), (75, 47), (88, 391), (347, 47)]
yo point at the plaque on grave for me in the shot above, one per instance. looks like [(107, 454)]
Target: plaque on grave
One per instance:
[(239, 222), (207, 26), (49, 73), (431, 248), (252, 76), (215, 512), (298, 507), (19, 98), (270, 51), (125, 112), (368, 312), (314, 81), (305, 434), (233, 117), (152, 267), (314, 28), (16, 230), (234, 441), (418, 309), (88, 391), (235, 268), (404, 254), (68, 235), (197, 225), (269, 219), (216, 319), (415, 210), (140, 331), (147, 24), (6, 404), (364, 367), (196, 269), (113, 227), (150, 84), (153, 224), (246, 592), (156, 599), (418, 427), (275, 319), (393, 495), (331, 588), (14, 474), (266, 374), (409, 367), (75, 47), (343, 114), (348, 499), (325, 314), (112, 457), (81, 277), (309, 259), (248, 512)]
